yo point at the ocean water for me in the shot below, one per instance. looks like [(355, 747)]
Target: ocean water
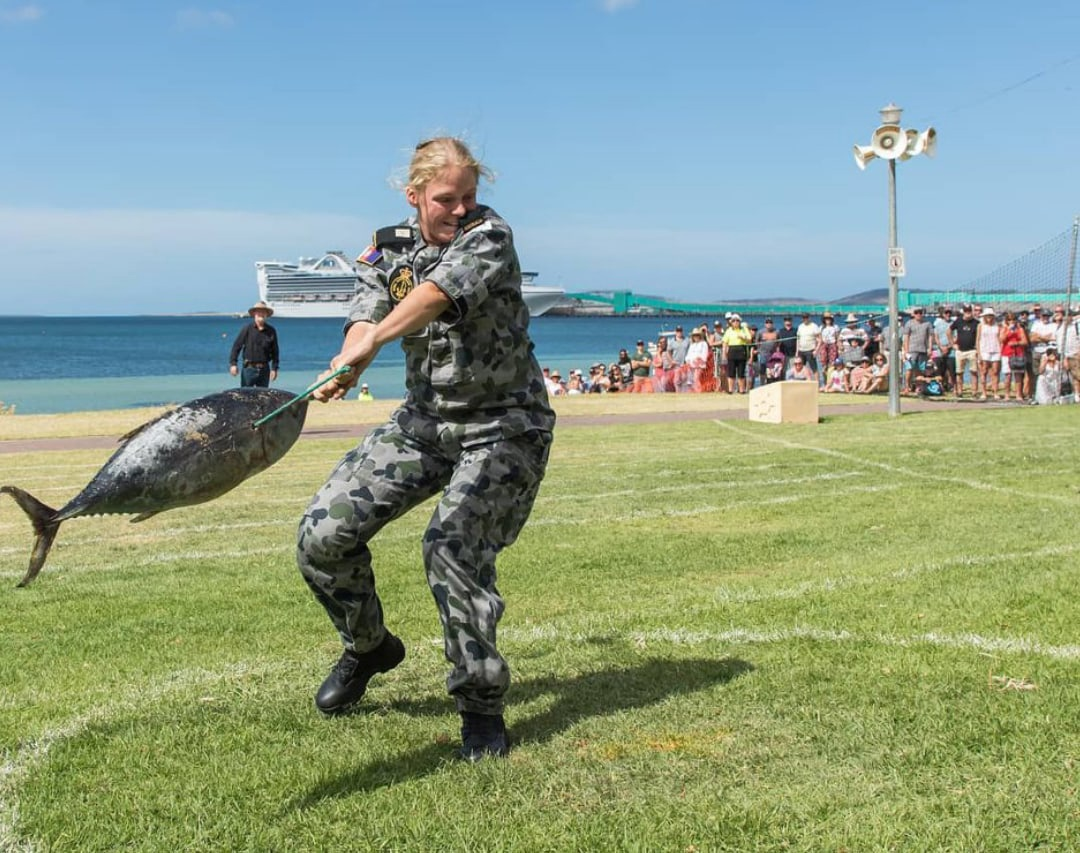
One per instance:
[(67, 364)]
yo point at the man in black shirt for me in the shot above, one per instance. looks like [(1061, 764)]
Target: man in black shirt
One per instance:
[(962, 333), (787, 341), (259, 343)]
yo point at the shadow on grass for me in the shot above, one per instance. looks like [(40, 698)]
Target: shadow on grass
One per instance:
[(589, 695)]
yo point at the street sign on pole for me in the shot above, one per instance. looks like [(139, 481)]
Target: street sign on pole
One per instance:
[(896, 263)]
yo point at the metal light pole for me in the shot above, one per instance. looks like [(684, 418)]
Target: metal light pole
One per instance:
[(890, 142), (896, 375)]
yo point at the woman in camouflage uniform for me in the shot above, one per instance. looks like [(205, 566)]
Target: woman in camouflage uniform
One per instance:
[(475, 428)]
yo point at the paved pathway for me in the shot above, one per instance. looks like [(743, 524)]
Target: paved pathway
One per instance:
[(907, 406)]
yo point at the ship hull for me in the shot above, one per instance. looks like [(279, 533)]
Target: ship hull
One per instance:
[(293, 292)]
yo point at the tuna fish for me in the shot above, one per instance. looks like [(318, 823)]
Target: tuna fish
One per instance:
[(194, 453)]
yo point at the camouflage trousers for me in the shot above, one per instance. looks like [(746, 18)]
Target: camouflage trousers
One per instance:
[(487, 495)]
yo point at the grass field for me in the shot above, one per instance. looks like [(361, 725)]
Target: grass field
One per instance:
[(859, 635)]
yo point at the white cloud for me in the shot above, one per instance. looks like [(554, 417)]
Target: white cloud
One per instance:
[(613, 6), (21, 14), (201, 19)]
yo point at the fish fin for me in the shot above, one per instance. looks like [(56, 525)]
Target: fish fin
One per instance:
[(127, 436), (42, 517), (145, 515)]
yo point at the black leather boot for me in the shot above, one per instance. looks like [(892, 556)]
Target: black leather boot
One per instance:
[(348, 680), (483, 735)]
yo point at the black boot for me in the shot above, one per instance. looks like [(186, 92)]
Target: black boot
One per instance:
[(348, 680), (483, 735)]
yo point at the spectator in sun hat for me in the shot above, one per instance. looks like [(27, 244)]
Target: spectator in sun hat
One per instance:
[(852, 340), (554, 383), (988, 344), (258, 341), (1050, 373), (830, 339)]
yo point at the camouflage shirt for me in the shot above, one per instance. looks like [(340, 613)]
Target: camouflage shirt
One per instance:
[(474, 366)]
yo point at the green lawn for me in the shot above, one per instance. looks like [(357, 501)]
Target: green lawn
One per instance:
[(859, 635)]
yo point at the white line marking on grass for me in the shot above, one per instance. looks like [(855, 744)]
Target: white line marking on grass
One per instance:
[(682, 637), (862, 462), (749, 596), (16, 764), (739, 483)]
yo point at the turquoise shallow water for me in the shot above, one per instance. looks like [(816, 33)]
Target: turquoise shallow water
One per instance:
[(66, 364)]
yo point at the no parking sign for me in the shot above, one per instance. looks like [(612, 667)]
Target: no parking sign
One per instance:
[(896, 263)]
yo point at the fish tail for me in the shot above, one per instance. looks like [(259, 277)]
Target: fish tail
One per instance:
[(42, 517)]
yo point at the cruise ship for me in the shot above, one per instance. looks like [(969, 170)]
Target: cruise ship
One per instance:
[(324, 287)]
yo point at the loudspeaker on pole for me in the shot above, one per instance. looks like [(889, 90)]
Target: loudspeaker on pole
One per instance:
[(863, 155), (926, 143), (889, 142)]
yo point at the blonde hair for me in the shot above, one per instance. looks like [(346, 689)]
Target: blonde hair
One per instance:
[(434, 155)]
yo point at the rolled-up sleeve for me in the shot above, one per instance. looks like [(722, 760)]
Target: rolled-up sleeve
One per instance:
[(472, 263)]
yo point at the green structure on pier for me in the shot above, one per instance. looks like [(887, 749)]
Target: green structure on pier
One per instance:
[(627, 302)]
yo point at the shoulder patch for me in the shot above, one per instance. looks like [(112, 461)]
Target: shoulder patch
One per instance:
[(472, 219), (393, 236), (401, 283), (369, 256)]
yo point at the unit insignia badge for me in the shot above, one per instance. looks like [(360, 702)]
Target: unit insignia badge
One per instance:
[(401, 283)]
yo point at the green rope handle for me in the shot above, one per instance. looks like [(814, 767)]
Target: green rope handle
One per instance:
[(303, 395)]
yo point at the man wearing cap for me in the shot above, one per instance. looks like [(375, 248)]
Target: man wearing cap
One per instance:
[(917, 342), (1070, 347), (678, 347), (365, 394), (259, 343), (962, 335), (765, 343), (789, 342), (1042, 332), (640, 367), (943, 340)]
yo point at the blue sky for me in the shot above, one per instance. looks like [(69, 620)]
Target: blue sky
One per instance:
[(152, 151)]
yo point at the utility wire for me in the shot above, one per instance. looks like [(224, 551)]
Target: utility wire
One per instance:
[(1012, 87)]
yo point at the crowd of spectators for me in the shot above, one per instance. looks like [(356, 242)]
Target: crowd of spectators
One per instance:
[(1032, 355)]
